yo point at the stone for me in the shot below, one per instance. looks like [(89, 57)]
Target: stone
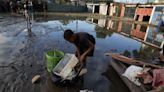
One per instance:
[(36, 79)]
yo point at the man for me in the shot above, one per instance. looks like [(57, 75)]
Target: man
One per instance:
[(84, 43)]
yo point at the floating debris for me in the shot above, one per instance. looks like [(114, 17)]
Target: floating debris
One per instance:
[(35, 79), (86, 90)]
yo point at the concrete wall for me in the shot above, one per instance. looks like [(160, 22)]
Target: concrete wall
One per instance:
[(116, 10), (103, 9), (90, 8), (102, 22), (119, 26), (82, 2), (112, 9), (155, 1), (66, 8), (122, 10), (162, 45), (130, 12), (159, 1), (109, 24)]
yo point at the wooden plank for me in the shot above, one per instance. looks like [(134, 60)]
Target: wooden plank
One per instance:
[(131, 61), (162, 57)]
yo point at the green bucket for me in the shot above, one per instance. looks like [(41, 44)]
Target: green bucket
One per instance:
[(53, 58)]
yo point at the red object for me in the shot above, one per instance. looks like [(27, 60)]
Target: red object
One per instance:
[(137, 33), (143, 12), (158, 77)]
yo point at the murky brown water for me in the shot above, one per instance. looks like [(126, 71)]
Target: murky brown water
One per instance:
[(22, 55)]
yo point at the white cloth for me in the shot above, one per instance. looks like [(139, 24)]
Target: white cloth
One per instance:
[(131, 73)]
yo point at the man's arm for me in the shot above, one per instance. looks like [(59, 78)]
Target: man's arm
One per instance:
[(83, 56), (78, 52)]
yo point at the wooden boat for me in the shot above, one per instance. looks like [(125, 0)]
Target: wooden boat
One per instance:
[(120, 62)]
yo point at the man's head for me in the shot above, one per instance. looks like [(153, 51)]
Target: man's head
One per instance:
[(68, 35)]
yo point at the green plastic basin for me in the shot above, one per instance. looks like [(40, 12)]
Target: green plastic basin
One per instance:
[(53, 58)]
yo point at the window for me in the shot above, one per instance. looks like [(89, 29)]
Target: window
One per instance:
[(137, 17), (96, 9), (146, 18), (143, 28)]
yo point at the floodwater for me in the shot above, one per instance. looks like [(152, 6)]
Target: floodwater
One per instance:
[(22, 54)]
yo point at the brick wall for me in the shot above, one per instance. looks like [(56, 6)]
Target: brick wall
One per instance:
[(143, 12)]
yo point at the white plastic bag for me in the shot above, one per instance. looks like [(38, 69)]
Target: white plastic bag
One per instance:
[(132, 72)]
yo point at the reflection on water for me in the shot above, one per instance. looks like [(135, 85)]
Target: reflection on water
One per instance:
[(148, 34), (139, 31), (26, 50)]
